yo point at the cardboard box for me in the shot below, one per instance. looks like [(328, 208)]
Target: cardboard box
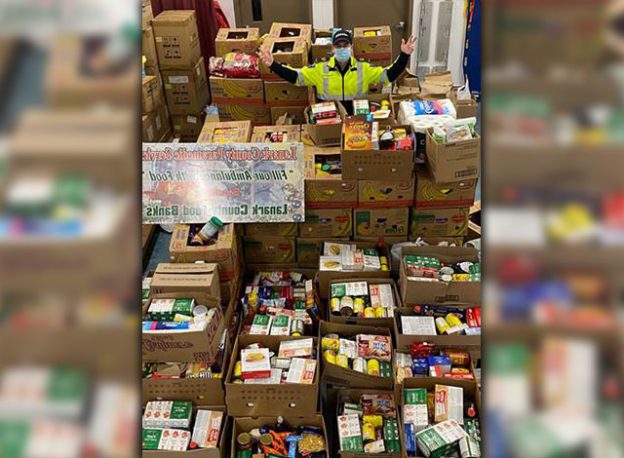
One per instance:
[(279, 399), (319, 52), (418, 292), (148, 46), (387, 322), (162, 122), (376, 49), (377, 222), (243, 40), (285, 94), (241, 131), (223, 252), (245, 425), (177, 39), (439, 222), (259, 115), (453, 161), (430, 194), (148, 129), (287, 51), (375, 164), (147, 15), (330, 192), (236, 91), (327, 223), (295, 113), (457, 241), (186, 89), (386, 240), (464, 108), (261, 134), (291, 30), (188, 127), (269, 249), (327, 135), (188, 278), (386, 194), (340, 376), (309, 250), (271, 229)]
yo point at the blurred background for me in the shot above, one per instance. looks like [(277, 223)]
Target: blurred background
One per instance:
[(554, 227), (69, 228)]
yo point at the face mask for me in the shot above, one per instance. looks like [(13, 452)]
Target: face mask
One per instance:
[(343, 54)]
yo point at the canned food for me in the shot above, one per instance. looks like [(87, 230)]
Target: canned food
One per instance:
[(297, 327), (375, 420), (447, 277), (383, 260), (373, 367), (441, 325), (369, 312), (334, 305), (446, 270), (461, 277), (359, 365), (238, 369), (346, 306), (342, 361), (330, 356), (384, 267), (453, 320), (458, 357), (368, 432), (330, 343), (358, 305), (380, 312)]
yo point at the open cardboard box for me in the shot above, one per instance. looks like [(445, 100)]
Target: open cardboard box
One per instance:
[(245, 400), (376, 49), (464, 108), (260, 133), (291, 30), (325, 277), (378, 98), (318, 52), (387, 322), (291, 51), (310, 249), (241, 39), (378, 164), (241, 131), (254, 268), (353, 395), (246, 424), (327, 191), (440, 292), (454, 161), (336, 375), (216, 452), (326, 135)]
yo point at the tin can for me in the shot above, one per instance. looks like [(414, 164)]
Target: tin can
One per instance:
[(330, 356), (383, 260), (330, 343), (346, 306), (441, 325), (297, 328), (368, 432), (238, 369), (373, 367), (380, 312), (453, 320), (358, 305), (334, 305), (375, 420), (458, 357), (461, 277), (369, 312), (446, 270), (342, 361), (359, 365)]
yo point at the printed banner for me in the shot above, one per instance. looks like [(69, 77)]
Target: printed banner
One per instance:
[(237, 182)]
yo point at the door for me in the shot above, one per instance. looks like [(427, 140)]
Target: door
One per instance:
[(395, 13), (262, 13)]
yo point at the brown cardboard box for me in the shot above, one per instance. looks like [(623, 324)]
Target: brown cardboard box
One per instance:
[(376, 222), (291, 30), (148, 46), (464, 108), (318, 52), (457, 241), (148, 129), (162, 122), (404, 340), (436, 85), (241, 131), (430, 194), (453, 161), (387, 323), (285, 94), (236, 91), (243, 40), (188, 127), (385, 194), (309, 250), (177, 39), (259, 115), (340, 376), (388, 240), (147, 15), (271, 229), (261, 134), (186, 89), (269, 249), (330, 192), (376, 49), (324, 277), (287, 51), (282, 399), (375, 164), (296, 113), (327, 223), (327, 135), (418, 292), (245, 425), (223, 252), (439, 222), (188, 278)]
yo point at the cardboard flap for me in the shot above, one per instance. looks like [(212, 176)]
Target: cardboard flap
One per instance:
[(445, 253), (186, 268), (437, 84)]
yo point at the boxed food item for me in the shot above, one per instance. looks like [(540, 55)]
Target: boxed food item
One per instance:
[(186, 88), (276, 134), (283, 93), (430, 194), (148, 46), (369, 302), (177, 39), (225, 132), (294, 115), (386, 194), (373, 43), (324, 123), (291, 30), (327, 223), (324, 186), (270, 249), (415, 410), (259, 115), (287, 51), (449, 403), (322, 46), (188, 127), (270, 229), (440, 439), (379, 222), (243, 40), (207, 430), (233, 91), (168, 414), (310, 250), (165, 439), (151, 94), (453, 161), (439, 222), (192, 278)]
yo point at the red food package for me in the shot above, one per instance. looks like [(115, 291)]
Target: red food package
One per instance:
[(235, 65), (421, 349)]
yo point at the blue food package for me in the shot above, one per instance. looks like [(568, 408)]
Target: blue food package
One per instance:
[(410, 439), (420, 366)]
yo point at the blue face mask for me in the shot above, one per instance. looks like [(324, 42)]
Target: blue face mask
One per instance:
[(343, 54)]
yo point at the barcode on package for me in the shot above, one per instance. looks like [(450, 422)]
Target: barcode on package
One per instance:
[(465, 173)]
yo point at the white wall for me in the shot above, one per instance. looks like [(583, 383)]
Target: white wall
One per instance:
[(228, 8)]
